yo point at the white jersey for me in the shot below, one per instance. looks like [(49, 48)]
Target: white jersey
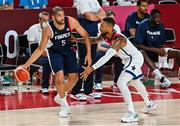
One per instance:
[(128, 52), (131, 57)]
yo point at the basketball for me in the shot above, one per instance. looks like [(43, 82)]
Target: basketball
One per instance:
[(21, 74)]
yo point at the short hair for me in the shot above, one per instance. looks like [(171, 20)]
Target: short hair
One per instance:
[(154, 11), (109, 20), (140, 1), (44, 13), (109, 12), (56, 9)]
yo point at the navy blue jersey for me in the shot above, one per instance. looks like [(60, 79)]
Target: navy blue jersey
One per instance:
[(59, 40), (150, 36), (133, 21)]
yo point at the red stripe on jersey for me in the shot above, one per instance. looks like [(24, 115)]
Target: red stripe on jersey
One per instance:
[(69, 24), (113, 38)]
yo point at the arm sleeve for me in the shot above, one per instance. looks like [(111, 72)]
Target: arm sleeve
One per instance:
[(117, 28), (140, 35), (110, 53)]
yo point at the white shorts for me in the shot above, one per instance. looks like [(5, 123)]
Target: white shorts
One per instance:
[(133, 67)]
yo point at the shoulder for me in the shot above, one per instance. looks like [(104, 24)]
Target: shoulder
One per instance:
[(117, 28), (161, 25), (71, 19), (144, 22), (118, 36), (34, 27), (133, 15), (147, 15)]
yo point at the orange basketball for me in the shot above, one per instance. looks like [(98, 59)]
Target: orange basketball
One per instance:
[(21, 75)]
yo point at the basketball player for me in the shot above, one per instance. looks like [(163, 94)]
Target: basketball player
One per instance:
[(132, 59), (61, 56)]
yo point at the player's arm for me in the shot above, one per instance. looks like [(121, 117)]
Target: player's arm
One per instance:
[(119, 42), (132, 32), (130, 26), (110, 53), (46, 34), (97, 40), (95, 16), (93, 40), (74, 24)]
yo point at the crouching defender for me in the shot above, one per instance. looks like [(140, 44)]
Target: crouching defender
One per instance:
[(132, 60)]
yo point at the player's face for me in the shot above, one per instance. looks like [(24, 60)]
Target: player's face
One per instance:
[(59, 17), (143, 7), (105, 27), (156, 18)]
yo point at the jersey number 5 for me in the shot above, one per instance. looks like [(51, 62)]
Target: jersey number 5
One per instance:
[(63, 42)]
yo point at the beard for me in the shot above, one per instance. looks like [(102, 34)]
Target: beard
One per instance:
[(143, 12), (60, 22)]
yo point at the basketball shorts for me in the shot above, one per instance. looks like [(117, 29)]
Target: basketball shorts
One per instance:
[(133, 67), (65, 61)]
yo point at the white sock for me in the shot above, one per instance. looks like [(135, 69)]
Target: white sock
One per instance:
[(64, 101), (142, 90), (122, 84), (158, 73)]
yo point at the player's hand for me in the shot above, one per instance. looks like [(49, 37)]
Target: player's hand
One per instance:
[(73, 39), (86, 72), (23, 66), (160, 51), (88, 60)]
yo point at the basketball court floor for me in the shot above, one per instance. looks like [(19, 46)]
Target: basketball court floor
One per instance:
[(36, 109)]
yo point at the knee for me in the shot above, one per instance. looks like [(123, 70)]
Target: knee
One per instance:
[(74, 77), (122, 82), (174, 54)]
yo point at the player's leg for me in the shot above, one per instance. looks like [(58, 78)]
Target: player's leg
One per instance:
[(56, 62), (59, 78), (124, 78), (174, 53), (149, 59), (150, 105), (71, 81), (61, 95)]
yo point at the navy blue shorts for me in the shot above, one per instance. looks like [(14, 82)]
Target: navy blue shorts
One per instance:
[(65, 61)]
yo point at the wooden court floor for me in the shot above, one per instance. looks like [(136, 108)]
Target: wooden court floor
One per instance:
[(167, 114), (35, 109)]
